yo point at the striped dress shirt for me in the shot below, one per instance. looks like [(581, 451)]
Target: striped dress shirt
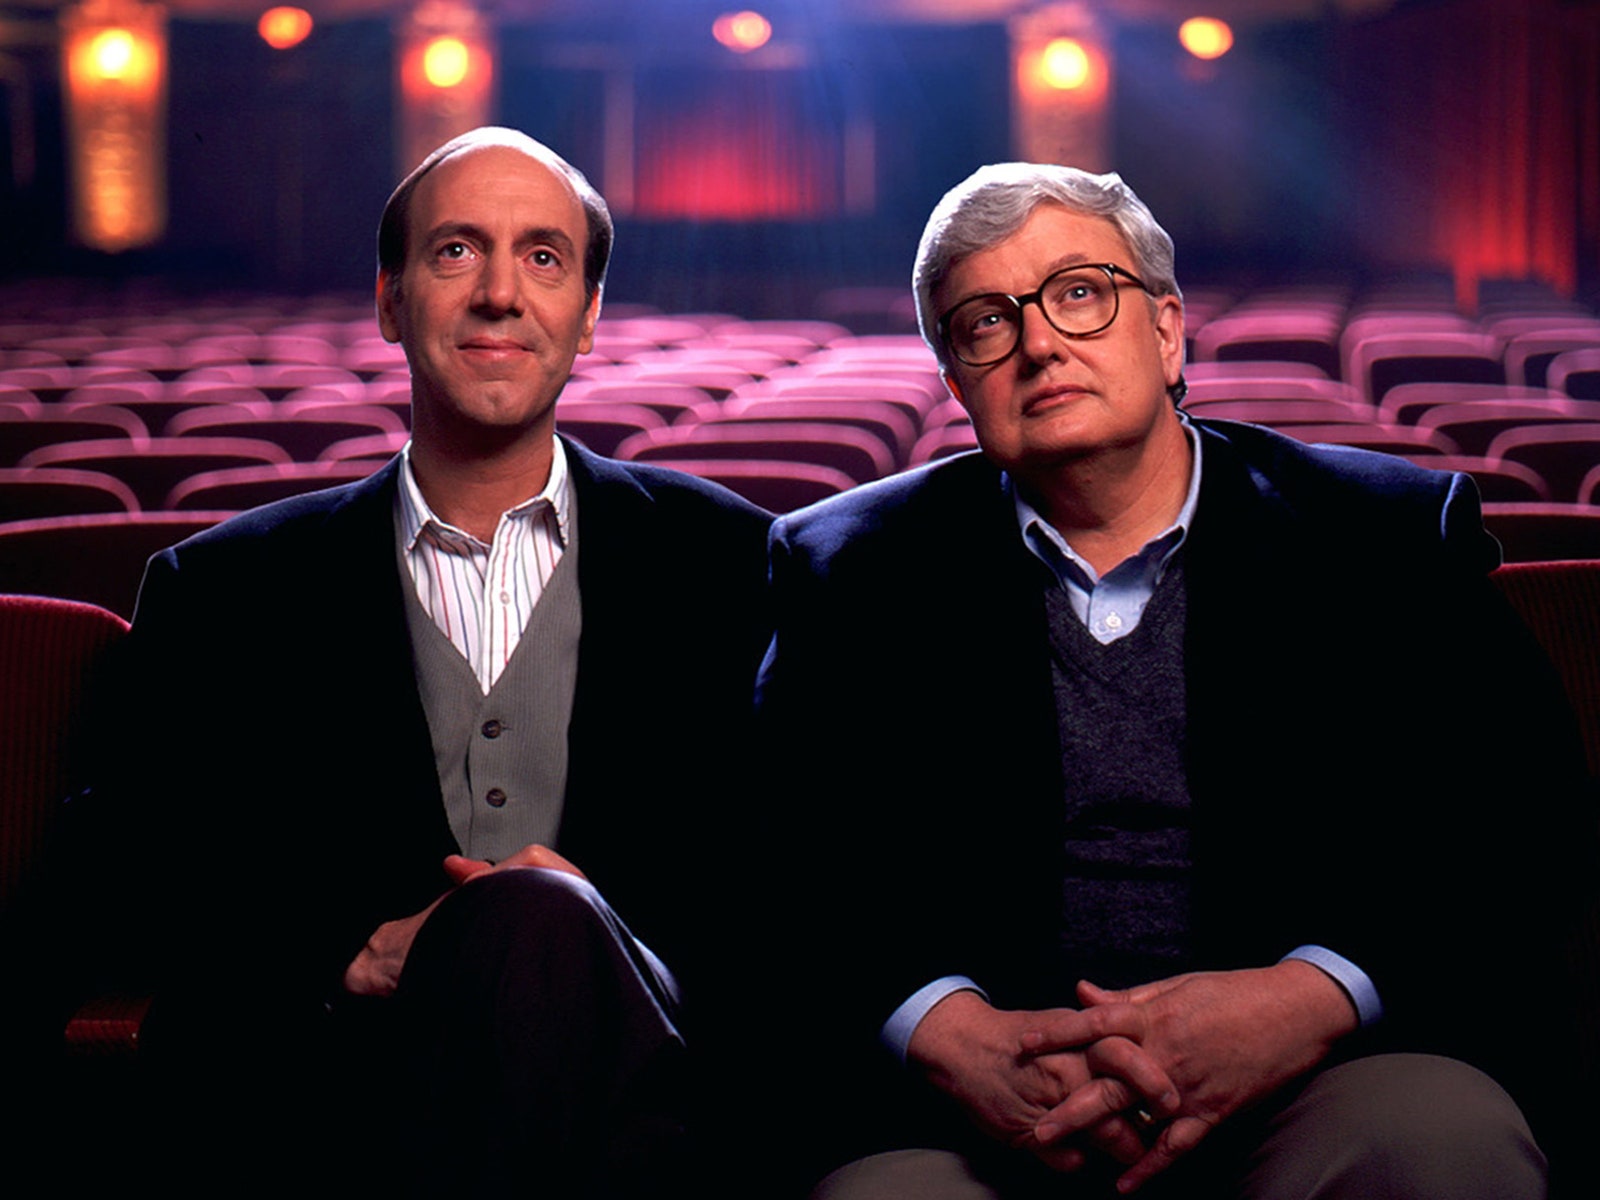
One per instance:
[(481, 596)]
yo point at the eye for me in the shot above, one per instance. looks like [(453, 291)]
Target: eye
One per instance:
[(544, 258), (1076, 290), (454, 251), (981, 319)]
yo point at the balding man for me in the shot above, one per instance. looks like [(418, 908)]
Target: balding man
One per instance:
[(414, 750)]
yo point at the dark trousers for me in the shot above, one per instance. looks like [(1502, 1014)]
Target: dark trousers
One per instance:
[(536, 1046)]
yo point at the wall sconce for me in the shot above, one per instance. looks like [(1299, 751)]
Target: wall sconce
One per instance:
[(115, 66), (446, 76), (1062, 87)]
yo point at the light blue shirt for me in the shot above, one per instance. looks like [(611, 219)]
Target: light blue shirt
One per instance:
[(1110, 606)]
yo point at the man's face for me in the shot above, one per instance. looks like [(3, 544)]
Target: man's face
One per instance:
[(1058, 398), (490, 303)]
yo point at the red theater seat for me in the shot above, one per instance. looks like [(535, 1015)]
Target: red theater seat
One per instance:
[(1544, 532), (857, 454), (27, 492), (153, 468), (776, 486), (98, 558)]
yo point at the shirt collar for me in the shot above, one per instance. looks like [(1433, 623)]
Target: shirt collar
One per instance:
[(1045, 542), (417, 517)]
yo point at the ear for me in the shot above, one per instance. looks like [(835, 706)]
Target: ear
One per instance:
[(590, 316), (1169, 337), (955, 388), (388, 325)]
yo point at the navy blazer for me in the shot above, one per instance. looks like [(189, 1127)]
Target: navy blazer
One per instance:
[(278, 754), (1358, 697)]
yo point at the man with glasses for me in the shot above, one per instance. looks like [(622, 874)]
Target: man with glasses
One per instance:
[(1134, 861)]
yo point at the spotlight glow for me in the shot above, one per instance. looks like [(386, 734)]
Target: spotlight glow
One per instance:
[(1065, 64), (1205, 37), (284, 27), (446, 61), (111, 54), (742, 32)]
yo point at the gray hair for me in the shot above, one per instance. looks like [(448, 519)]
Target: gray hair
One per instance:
[(394, 228), (995, 201)]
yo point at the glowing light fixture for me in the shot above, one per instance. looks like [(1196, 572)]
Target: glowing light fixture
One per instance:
[(284, 27), (446, 61), (1065, 65), (114, 54), (111, 54), (446, 75), (1205, 37), (742, 32)]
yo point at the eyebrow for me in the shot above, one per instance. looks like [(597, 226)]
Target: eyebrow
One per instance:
[(1075, 258), (538, 235)]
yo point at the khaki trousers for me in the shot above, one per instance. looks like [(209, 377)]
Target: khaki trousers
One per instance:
[(1388, 1127)]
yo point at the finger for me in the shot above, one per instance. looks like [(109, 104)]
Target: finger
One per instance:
[(1176, 1140), (1119, 1139), (540, 856), (1064, 1159), (547, 858), (460, 868), (1067, 1029), (1091, 994), (1094, 1102), (1133, 1065)]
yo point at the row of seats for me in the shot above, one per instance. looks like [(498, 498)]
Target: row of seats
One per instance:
[(784, 412), (233, 446), (1373, 341)]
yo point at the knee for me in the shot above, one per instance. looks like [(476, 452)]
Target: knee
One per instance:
[(524, 913), (1415, 1125), (926, 1174), (537, 892)]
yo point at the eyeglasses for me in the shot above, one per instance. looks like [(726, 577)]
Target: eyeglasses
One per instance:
[(1078, 302)]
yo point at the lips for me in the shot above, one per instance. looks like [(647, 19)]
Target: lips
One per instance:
[(488, 345), (1052, 397)]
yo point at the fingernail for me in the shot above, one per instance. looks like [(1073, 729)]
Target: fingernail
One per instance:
[(1046, 1132)]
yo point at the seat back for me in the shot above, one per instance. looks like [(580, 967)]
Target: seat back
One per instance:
[(52, 655), (1560, 602)]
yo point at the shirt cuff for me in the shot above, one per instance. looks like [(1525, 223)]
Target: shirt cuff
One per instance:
[(1354, 981), (903, 1022)]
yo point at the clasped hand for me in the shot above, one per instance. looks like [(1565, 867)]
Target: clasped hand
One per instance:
[(1225, 1040), (375, 971), (975, 1054)]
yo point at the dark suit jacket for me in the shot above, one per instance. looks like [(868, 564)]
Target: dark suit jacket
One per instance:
[(279, 758), (1378, 758)]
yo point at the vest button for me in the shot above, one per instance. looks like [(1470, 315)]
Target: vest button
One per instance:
[(496, 798), (491, 729)]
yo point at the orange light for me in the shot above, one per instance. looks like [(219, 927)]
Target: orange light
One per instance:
[(742, 32), (284, 27), (111, 54), (1205, 37), (115, 60), (446, 61), (1065, 65)]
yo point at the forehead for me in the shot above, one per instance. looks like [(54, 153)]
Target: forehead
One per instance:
[(497, 188), (1051, 237)]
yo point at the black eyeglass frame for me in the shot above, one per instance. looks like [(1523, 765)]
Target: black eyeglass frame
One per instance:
[(1036, 296)]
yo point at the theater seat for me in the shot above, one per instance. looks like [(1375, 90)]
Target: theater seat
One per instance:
[(1560, 603)]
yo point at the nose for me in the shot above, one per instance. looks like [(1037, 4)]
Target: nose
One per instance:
[(498, 286), (1039, 341)]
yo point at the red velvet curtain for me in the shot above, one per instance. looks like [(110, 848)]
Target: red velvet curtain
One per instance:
[(734, 146), (1478, 127)]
